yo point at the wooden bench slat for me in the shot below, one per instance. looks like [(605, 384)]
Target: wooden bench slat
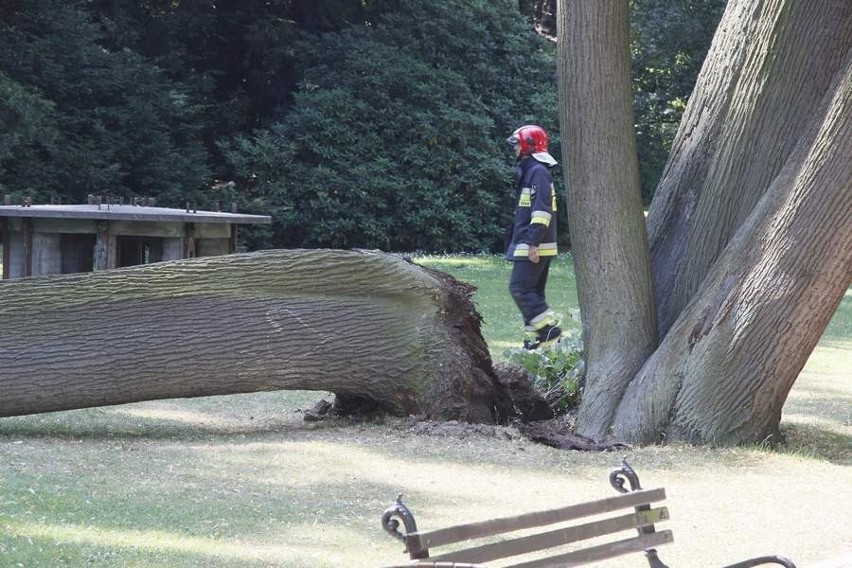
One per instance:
[(440, 537), (601, 552), (558, 537)]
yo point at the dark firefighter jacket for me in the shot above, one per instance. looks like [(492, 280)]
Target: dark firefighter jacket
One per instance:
[(535, 211)]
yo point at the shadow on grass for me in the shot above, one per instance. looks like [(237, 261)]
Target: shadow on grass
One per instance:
[(79, 552), (816, 442), (820, 405), (149, 429), (498, 446), (153, 430), (177, 419), (281, 490), (238, 521)]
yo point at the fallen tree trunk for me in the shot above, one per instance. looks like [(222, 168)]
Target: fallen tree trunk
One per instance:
[(363, 325)]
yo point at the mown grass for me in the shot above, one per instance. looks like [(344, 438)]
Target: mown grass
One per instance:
[(243, 481), (502, 325)]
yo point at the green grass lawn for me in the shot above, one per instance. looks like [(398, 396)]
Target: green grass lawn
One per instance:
[(243, 481), (502, 323)]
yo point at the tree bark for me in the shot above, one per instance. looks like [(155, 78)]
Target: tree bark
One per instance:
[(753, 229), (750, 230), (727, 365), (363, 325), (768, 67), (608, 233)]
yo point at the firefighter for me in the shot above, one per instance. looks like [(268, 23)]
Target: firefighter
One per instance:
[(531, 241)]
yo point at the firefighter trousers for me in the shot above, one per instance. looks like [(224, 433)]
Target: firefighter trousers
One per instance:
[(526, 285)]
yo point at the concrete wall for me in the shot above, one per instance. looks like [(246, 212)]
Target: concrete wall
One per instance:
[(146, 229), (16, 254), (47, 255), (210, 231), (172, 248), (212, 247), (74, 226)]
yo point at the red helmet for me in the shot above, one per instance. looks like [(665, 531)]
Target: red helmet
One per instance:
[(532, 139)]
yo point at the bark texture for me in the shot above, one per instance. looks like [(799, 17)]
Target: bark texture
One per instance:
[(608, 233), (770, 65), (753, 231), (363, 325), (750, 231)]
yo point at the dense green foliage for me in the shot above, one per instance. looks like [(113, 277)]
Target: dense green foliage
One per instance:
[(395, 137), (90, 119), (355, 123), (670, 39)]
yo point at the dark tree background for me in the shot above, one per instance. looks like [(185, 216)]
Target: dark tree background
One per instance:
[(354, 123)]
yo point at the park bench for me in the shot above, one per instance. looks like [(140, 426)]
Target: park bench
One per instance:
[(634, 509)]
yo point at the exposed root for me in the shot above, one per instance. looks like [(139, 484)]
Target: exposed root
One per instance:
[(557, 434)]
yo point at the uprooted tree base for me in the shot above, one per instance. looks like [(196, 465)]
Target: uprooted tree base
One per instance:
[(532, 416), (557, 432)]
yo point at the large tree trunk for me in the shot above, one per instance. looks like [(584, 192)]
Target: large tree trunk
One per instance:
[(362, 325), (751, 229), (768, 68), (608, 232), (729, 361)]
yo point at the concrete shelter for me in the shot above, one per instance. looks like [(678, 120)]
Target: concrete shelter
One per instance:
[(38, 240)]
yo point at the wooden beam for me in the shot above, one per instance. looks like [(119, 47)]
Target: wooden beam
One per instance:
[(558, 537), (439, 537), (232, 245), (601, 552), (4, 237), (27, 232), (102, 249)]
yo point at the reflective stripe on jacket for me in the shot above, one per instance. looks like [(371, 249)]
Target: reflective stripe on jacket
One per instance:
[(535, 211)]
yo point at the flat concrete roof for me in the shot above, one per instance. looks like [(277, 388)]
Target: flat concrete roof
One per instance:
[(130, 213)]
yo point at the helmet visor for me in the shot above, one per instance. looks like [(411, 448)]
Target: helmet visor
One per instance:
[(513, 140)]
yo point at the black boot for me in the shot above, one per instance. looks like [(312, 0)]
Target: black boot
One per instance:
[(545, 337)]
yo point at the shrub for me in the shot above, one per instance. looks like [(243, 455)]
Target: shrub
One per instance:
[(556, 372), (395, 136)]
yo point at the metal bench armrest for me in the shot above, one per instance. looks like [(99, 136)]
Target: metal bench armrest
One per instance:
[(781, 560), (391, 526)]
